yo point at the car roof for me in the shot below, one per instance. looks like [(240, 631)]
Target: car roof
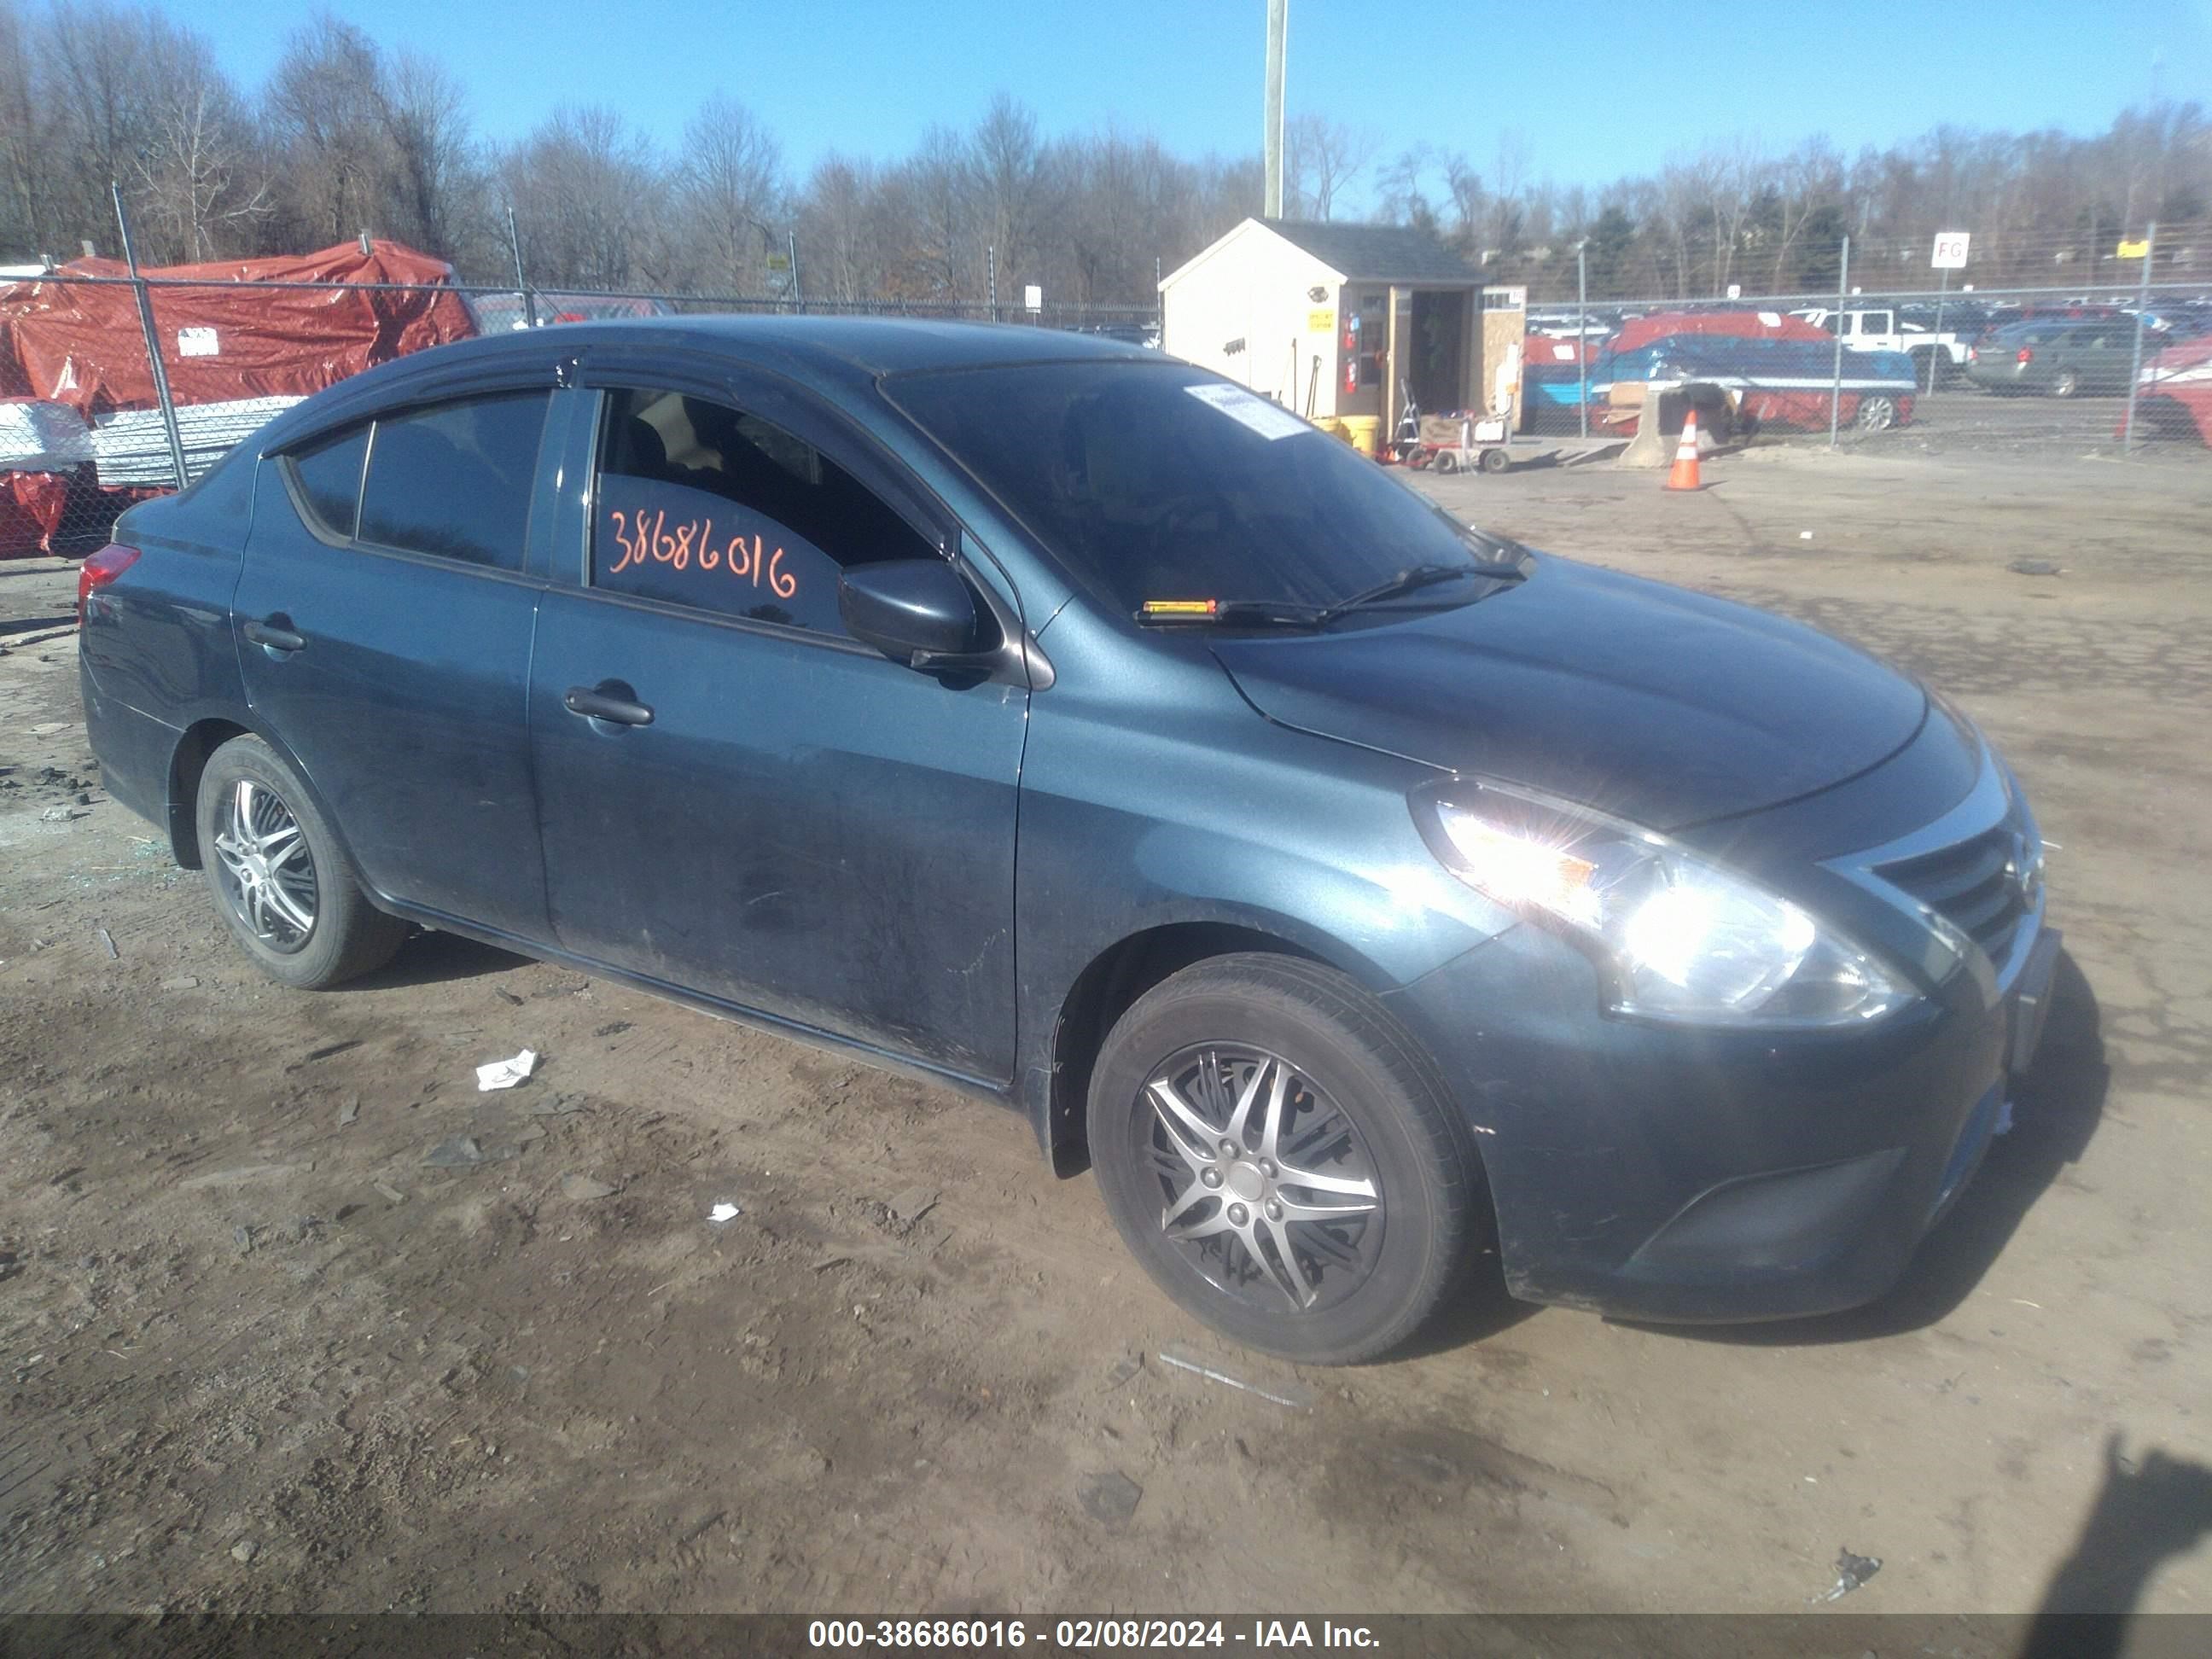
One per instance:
[(846, 350)]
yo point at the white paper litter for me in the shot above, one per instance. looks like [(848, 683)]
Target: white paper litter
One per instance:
[(505, 1074), (725, 1211)]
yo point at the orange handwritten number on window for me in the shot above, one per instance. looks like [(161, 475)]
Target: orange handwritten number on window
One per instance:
[(640, 539)]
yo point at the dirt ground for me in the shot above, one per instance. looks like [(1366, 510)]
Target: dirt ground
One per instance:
[(293, 1318)]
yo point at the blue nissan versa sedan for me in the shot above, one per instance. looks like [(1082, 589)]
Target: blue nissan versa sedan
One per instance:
[(1057, 721)]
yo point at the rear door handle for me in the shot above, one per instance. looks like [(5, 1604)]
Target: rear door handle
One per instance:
[(597, 705), (275, 638)]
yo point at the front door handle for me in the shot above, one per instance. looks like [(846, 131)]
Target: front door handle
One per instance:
[(273, 636), (595, 704)]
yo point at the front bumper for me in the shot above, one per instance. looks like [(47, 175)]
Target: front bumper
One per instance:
[(1692, 1174)]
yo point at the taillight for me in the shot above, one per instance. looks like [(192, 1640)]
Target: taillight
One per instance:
[(99, 569), (1973, 354), (2024, 355)]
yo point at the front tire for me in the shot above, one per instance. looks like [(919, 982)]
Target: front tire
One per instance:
[(277, 877), (2068, 384), (1282, 1159)]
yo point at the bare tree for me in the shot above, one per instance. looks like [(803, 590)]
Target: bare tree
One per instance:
[(438, 181), (730, 183), (589, 202), (1005, 182), (193, 196), (328, 116), (1323, 162)]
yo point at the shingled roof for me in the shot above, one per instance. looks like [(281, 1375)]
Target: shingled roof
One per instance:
[(1376, 253)]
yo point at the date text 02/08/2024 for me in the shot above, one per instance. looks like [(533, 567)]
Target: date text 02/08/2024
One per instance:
[(1083, 1635)]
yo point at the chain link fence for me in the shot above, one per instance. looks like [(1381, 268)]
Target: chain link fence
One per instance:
[(2062, 371), (114, 388)]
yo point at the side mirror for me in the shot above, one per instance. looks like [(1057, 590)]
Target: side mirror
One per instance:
[(913, 611)]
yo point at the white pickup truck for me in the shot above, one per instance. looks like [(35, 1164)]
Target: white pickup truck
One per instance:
[(1879, 328)]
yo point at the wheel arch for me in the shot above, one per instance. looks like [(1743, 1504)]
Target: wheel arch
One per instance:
[(1116, 976), (188, 763)]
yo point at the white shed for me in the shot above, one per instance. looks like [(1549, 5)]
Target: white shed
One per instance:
[(1331, 320)]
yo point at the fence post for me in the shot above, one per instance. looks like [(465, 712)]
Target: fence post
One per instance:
[(791, 245), (153, 339), (2134, 368), (1843, 297), (515, 242), (1582, 341)]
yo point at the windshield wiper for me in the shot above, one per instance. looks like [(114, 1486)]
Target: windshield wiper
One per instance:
[(1405, 582)]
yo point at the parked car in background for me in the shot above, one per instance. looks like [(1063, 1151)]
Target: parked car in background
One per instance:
[(503, 313), (2056, 358), (1883, 329), (1046, 718)]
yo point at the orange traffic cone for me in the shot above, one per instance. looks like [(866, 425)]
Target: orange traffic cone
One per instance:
[(1684, 473)]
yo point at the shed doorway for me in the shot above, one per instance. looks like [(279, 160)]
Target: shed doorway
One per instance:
[(1436, 373)]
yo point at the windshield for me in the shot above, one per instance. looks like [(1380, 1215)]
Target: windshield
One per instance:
[(1156, 481)]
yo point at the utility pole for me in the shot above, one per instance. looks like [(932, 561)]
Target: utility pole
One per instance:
[(1278, 28), (791, 246), (991, 276), (153, 339)]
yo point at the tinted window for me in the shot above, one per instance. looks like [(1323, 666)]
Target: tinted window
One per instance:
[(455, 480), (1160, 482), (703, 505), (330, 477)]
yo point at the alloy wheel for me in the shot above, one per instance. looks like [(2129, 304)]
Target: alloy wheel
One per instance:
[(1265, 1182), (1876, 415), (268, 871)]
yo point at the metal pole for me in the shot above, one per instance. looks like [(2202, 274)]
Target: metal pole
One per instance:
[(1939, 356), (152, 340), (1582, 341), (1843, 299), (790, 246), (1272, 114), (2134, 368), (991, 276), (515, 242)]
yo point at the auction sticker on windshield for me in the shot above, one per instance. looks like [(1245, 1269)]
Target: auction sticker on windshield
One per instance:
[(1270, 421)]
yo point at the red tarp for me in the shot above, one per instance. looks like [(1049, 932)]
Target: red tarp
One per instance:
[(2182, 375), (1745, 325), (81, 345), (31, 506)]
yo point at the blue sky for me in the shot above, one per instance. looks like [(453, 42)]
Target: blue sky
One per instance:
[(1577, 85)]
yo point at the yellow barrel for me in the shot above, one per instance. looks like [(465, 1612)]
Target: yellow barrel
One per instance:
[(1361, 431), (1333, 426)]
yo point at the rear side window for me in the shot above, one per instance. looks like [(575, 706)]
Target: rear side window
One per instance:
[(700, 504), (330, 477), (455, 480)]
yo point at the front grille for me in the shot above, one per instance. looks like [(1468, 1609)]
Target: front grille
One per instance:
[(1985, 885)]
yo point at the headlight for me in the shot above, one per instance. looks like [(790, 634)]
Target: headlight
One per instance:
[(1680, 938)]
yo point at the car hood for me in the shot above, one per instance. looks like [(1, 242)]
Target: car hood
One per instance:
[(1661, 706)]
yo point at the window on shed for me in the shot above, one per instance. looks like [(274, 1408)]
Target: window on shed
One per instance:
[(329, 473), (455, 480)]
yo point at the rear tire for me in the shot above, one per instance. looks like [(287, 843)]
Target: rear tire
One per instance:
[(2067, 383), (1495, 460), (1282, 1159), (1876, 414), (278, 878)]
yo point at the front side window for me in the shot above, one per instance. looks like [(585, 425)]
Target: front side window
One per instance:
[(699, 504), (455, 479), (1157, 481)]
